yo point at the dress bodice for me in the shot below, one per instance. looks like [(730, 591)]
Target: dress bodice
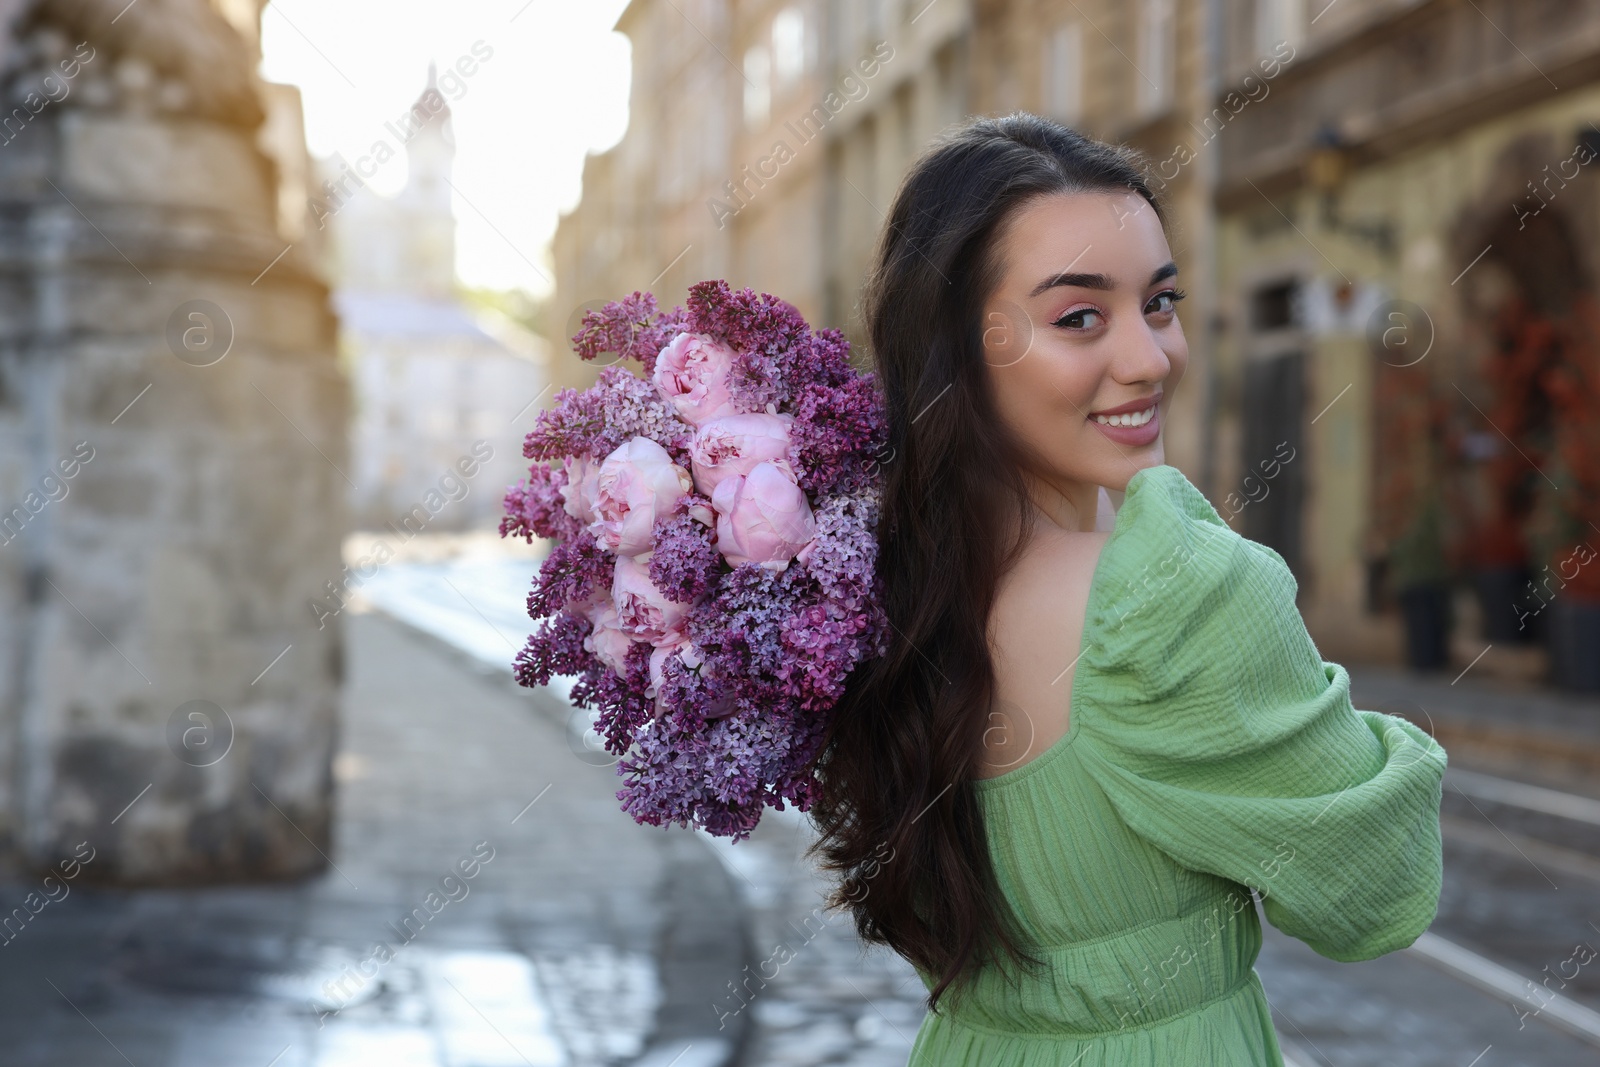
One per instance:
[(1210, 751)]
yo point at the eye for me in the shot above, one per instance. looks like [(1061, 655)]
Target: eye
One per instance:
[(1170, 298), (1074, 319)]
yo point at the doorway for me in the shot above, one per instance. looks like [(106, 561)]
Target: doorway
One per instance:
[(1274, 422)]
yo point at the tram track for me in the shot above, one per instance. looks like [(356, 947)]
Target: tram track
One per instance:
[(1505, 979), (1523, 795), (1494, 981)]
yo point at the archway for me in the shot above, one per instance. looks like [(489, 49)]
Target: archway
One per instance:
[(1520, 456)]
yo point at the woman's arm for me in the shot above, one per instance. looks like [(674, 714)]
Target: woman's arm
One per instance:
[(1221, 735)]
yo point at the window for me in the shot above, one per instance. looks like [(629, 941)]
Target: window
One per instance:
[(1157, 50), (905, 124), (1063, 72), (714, 125), (675, 166), (788, 47), (757, 86), (708, 14), (1272, 307), (877, 21), (1279, 22)]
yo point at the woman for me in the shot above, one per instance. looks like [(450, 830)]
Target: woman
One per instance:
[(1095, 734)]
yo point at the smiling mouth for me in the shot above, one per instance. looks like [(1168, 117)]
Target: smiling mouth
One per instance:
[(1130, 418)]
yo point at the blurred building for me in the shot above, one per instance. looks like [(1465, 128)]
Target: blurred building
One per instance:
[(1381, 210), (1405, 265), (435, 380), (172, 458), (766, 141)]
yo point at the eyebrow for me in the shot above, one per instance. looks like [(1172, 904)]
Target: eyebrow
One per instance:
[(1098, 281)]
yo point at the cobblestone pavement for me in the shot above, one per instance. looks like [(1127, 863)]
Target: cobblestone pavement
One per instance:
[(1399, 1012), (816, 996), (816, 993), (527, 920), (812, 993), (518, 910)]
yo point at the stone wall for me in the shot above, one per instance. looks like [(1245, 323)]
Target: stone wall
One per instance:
[(172, 460)]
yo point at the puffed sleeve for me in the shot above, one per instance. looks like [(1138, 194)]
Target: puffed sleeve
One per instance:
[(1221, 735)]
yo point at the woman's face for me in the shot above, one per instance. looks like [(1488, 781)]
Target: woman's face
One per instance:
[(1082, 339)]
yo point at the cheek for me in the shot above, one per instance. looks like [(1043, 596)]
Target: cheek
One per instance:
[(1068, 379), (1047, 395), (1178, 356)]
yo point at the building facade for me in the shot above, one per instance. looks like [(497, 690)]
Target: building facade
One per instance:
[(764, 145), (1381, 211), (767, 139), (439, 387), (1405, 234)]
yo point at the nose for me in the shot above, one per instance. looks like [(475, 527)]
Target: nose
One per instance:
[(1139, 355)]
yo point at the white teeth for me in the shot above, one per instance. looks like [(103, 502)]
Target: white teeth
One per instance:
[(1134, 418)]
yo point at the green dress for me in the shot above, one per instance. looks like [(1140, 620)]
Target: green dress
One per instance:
[(1210, 748)]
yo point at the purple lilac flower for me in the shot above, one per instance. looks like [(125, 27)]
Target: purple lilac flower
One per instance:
[(755, 383), (574, 570), (745, 321), (534, 508), (555, 648), (569, 427), (632, 328), (632, 407), (689, 695), (823, 358), (836, 428), (824, 645), (743, 633), (684, 565), (623, 707), (846, 553), (716, 743)]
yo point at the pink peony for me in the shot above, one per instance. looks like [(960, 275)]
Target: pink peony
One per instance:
[(658, 661), (692, 374), (592, 606), (608, 641), (637, 484), (734, 444), (642, 610), (578, 495), (763, 517)]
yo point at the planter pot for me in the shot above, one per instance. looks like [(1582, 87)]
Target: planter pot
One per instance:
[(1511, 614), (1426, 610), (1573, 637)]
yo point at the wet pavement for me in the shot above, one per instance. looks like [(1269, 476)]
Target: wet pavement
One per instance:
[(487, 904), (830, 1000), (810, 992), (815, 993), (1399, 1012)]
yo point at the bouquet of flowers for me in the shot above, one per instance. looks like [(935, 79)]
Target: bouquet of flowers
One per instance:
[(712, 579)]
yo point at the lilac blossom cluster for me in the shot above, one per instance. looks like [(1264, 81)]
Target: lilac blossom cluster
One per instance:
[(712, 581)]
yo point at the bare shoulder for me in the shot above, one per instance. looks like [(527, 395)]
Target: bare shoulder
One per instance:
[(1035, 634), (1057, 555)]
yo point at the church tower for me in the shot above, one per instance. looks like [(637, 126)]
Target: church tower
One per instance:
[(405, 244), (425, 203)]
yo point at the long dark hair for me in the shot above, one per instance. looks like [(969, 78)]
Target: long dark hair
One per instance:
[(898, 816)]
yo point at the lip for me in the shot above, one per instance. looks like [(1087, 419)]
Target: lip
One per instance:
[(1132, 405), (1132, 436)]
